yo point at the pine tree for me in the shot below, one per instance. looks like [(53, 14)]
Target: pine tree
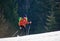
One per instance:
[(57, 14), (8, 21), (4, 25), (51, 18)]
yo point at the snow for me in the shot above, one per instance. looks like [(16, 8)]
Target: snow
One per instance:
[(50, 36)]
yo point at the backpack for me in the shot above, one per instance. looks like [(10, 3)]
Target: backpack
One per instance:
[(20, 18)]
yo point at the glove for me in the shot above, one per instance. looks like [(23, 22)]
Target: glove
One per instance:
[(30, 22)]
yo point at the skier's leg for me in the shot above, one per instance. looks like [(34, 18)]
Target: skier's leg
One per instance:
[(25, 30), (21, 31), (27, 27)]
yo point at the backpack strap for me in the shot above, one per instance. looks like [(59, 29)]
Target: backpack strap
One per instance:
[(26, 18)]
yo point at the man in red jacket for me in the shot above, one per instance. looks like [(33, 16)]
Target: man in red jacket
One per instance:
[(22, 24)]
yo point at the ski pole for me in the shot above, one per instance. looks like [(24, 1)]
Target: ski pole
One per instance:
[(28, 30), (15, 33)]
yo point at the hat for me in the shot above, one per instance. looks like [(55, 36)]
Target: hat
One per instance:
[(24, 15)]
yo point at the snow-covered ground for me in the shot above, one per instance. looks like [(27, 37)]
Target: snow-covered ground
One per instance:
[(50, 36)]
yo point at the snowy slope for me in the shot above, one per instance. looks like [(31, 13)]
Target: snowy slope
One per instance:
[(51, 36)]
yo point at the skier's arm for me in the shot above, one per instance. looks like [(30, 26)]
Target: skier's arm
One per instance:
[(29, 22)]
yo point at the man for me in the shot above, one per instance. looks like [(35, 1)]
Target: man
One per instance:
[(23, 22)]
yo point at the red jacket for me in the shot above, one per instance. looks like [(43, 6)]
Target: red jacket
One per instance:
[(23, 22)]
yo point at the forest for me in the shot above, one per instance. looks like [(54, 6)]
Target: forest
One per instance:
[(44, 14)]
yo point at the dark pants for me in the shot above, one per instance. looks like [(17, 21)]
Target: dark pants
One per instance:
[(23, 30)]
